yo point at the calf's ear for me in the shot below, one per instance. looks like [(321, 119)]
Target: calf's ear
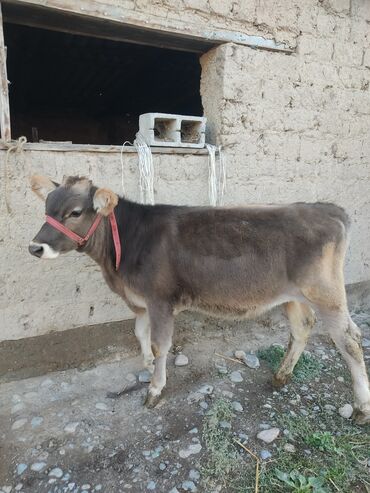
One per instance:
[(105, 201), (42, 186)]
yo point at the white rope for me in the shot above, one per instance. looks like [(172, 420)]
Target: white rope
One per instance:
[(216, 177), (121, 156), (146, 170)]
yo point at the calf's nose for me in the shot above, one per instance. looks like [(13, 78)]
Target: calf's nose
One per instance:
[(36, 249)]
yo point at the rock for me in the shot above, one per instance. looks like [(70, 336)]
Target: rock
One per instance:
[(19, 487), (237, 406), (162, 466), (86, 487), (189, 486), (131, 377), (195, 397), (145, 376), (36, 421), (174, 490), (71, 427), (225, 424), (194, 474), (56, 473), (151, 485), (21, 468), (17, 407), (194, 431), (346, 411), (236, 377), (204, 405), (19, 423), (252, 361), (222, 370), (192, 449), (38, 466), (289, 447), (6, 489), (98, 487), (269, 435), (240, 355), (181, 360), (340, 379), (101, 406), (265, 454), (365, 342), (206, 389), (329, 407)]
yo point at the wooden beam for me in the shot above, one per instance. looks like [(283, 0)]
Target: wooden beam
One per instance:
[(4, 93)]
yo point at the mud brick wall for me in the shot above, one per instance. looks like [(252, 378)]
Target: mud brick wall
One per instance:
[(293, 128)]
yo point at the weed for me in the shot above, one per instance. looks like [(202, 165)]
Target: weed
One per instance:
[(298, 483), (308, 366)]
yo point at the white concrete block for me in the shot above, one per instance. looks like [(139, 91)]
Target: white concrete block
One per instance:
[(167, 130)]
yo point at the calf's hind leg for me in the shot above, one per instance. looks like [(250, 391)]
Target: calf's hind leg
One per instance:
[(161, 321), (142, 332), (302, 319), (347, 338)]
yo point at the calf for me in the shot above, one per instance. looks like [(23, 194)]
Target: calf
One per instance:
[(230, 262)]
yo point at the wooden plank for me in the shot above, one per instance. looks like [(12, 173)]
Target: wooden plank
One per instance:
[(63, 147), (4, 93)]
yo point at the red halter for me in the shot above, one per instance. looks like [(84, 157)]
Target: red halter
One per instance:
[(82, 241)]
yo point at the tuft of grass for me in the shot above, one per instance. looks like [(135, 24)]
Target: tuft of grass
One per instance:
[(307, 367), (298, 483)]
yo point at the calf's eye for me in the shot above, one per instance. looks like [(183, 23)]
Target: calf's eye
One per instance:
[(76, 213)]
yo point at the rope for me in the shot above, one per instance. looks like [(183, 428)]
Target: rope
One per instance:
[(216, 177), (15, 146), (121, 157)]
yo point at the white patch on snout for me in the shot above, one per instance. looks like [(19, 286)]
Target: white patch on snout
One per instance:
[(48, 252)]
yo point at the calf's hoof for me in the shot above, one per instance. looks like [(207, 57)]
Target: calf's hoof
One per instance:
[(152, 400), (360, 417), (279, 381)]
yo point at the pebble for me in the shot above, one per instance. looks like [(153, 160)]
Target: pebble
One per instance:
[(6, 489), (194, 431), (181, 360), (340, 379), (36, 421), (289, 447), (56, 472), (71, 427), (21, 468), (145, 376), (225, 424), (346, 411), (194, 474), (265, 454), (131, 377), (19, 423), (189, 486), (85, 486), (329, 407), (151, 485), (252, 361), (204, 405), (206, 389), (101, 406), (17, 407), (19, 487), (240, 355), (98, 487), (38, 466), (237, 406), (174, 490), (236, 377), (195, 397), (269, 435), (192, 449), (162, 466), (365, 342)]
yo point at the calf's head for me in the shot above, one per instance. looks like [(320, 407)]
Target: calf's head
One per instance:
[(74, 204)]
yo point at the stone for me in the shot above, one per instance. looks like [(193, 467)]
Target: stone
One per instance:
[(268, 436), (86, 487), (237, 406), (19, 423), (145, 376), (240, 355), (346, 411), (194, 474), (265, 454), (17, 407), (162, 466), (252, 361), (289, 447), (36, 421), (19, 487), (329, 407), (236, 377), (189, 486), (56, 473), (71, 427), (38, 466), (21, 468), (206, 389), (181, 360), (225, 424), (151, 485), (192, 449), (365, 342), (101, 406), (131, 377), (203, 405)]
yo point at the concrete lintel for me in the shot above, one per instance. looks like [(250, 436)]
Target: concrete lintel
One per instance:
[(245, 39)]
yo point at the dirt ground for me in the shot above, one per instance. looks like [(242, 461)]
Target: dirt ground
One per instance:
[(60, 432)]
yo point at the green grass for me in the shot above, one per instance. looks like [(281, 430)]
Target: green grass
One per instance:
[(307, 368)]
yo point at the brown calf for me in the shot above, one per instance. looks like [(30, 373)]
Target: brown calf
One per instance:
[(229, 262)]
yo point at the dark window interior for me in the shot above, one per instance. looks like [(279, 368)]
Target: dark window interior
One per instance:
[(66, 87)]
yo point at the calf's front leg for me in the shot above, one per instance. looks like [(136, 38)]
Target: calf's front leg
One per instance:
[(161, 322), (142, 332)]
